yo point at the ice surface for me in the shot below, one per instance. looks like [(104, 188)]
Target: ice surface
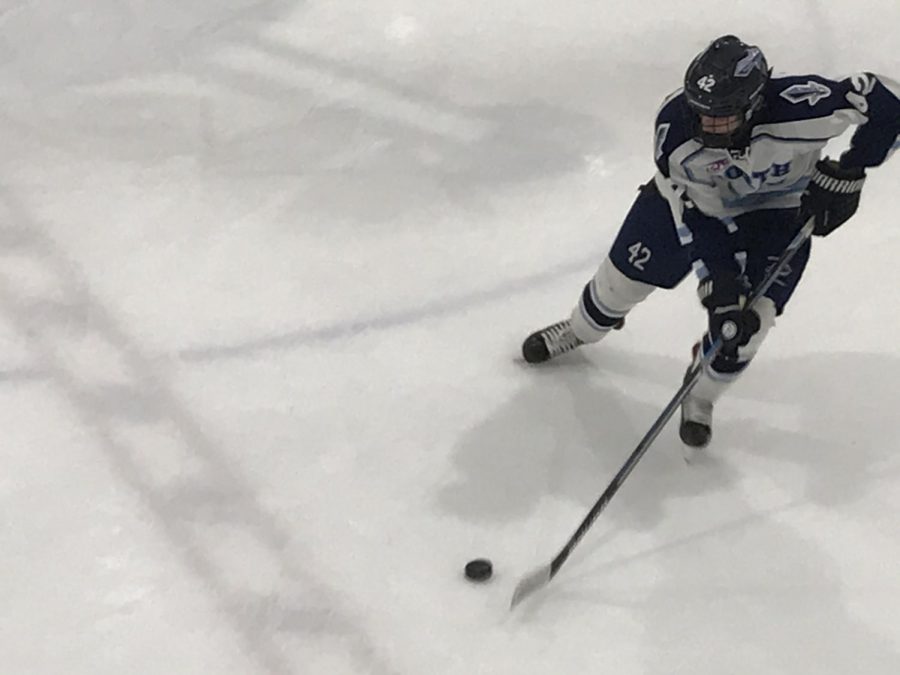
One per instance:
[(264, 272)]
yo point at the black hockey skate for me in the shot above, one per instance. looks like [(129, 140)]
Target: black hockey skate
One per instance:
[(550, 342), (696, 417), (696, 422)]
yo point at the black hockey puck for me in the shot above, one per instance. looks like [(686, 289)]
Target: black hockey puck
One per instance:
[(479, 569)]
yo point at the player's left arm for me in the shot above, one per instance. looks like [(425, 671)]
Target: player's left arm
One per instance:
[(878, 99), (832, 196)]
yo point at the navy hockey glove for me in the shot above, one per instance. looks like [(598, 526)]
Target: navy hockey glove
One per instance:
[(832, 196), (724, 299)]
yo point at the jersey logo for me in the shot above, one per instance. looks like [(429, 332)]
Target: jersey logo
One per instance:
[(706, 83), (718, 166), (811, 92), (752, 60)]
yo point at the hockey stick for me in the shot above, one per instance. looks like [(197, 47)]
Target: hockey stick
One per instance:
[(542, 576)]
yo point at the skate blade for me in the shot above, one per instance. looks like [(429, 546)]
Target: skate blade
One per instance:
[(690, 453), (694, 455)]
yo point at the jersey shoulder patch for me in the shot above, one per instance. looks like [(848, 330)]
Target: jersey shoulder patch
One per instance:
[(802, 97)]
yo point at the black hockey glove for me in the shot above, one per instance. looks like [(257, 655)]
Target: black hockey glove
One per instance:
[(724, 299), (832, 196)]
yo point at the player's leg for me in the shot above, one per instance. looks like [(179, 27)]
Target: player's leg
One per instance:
[(767, 234), (646, 254), (697, 408)]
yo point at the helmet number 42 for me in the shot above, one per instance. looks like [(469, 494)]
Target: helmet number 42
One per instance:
[(706, 83)]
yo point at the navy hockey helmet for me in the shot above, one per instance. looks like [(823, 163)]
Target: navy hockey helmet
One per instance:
[(726, 80)]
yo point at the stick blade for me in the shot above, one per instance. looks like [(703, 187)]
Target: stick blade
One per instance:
[(531, 583)]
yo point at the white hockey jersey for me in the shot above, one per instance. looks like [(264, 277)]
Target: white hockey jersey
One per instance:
[(801, 114)]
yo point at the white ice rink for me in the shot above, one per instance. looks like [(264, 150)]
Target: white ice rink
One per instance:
[(264, 274)]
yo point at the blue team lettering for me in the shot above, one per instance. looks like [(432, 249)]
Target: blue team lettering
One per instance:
[(780, 170), (758, 178)]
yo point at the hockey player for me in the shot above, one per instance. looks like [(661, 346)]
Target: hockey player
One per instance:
[(739, 173)]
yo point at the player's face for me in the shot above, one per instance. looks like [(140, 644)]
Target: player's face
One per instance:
[(720, 125)]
